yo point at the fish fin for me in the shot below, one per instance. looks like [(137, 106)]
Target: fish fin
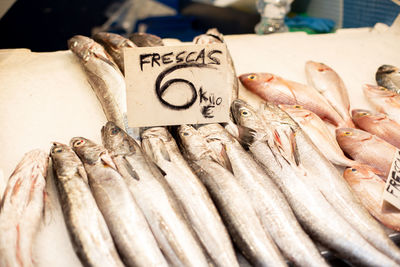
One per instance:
[(106, 60), (246, 135), (161, 170), (164, 151), (128, 167), (295, 150), (107, 161), (224, 154)]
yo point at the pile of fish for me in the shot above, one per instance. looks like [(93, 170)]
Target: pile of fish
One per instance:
[(266, 184)]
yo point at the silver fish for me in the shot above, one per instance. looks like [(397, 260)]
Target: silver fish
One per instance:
[(86, 226), (128, 226), (214, 36), (163, 213), (388, 76), (334, 187), (104, 76), (114, 44), (160, 146), (21, 209), (142, 39), (268, 201), (298, 185), (231, 200)]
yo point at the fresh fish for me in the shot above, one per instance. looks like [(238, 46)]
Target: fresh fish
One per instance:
[(383, 101), (231, 200), (128, 227), (332, 184), (104, 76), (367, 149), (268, 201), (388, 76), (303, 195), (369, 189), (214, 36), (277, 90), (160, 146), (114, 44), (319, 134), (86, 226), (21, 209), (155, 198), (378, 124), (331, 86), (142, 39)]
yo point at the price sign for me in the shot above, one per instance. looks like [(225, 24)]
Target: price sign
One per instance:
[(172, 85), (391, 193)]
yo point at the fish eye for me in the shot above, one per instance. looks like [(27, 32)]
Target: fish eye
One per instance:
[(79, 143), (245, 113), (353, 169), (382, 88), (364, 113), (251, 77), (57, 150), (186, 134), (297, 106), (347, 133), (114, 131)]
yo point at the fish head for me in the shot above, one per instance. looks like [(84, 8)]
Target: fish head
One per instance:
[(359, 113), (313, 67), (356, 173), (154, 143), (141, 39), (387, 69), (88, 151), (375, 91), (112, 40), (296, 111), (210, 37), (349, 138), (157, 133), (64, 159), (214, 131), (117, 140), (255, 81)]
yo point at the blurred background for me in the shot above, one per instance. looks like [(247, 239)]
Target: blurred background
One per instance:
[(46, 25)]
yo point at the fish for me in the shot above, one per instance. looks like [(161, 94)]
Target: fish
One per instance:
[(86, 226), (388, 76), (231, 200), (369, 189), (269, 202), (329, 84), (367, 148), (319, 134), (277, 90), (383, 101), (125, 220), (22, 208), (104, 77), (298, 185), (214, 36), (378, 124), (114, 45), (332, 184), (155, 198), (160, 146), (142, 39)]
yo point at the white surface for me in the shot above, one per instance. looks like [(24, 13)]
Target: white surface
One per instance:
[(45, 97)]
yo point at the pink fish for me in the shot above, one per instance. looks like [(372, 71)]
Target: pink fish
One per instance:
[(378, 124), (327, 82), (367, 148), (383, 100), (277, 90), (369, 189)]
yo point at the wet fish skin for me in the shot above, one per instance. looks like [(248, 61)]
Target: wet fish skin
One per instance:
[(277, 90), (383, 101), (327, 82), (319, 134), (388, 76), (214, 36), (127, 224), (104, 77), (21, 209), (114, 45), (367, 149), (268, 201), (378, 124), (155, 198), (160, 146), (300, 188), (231, 200), (142, 39), (369, 188), (85, 223)]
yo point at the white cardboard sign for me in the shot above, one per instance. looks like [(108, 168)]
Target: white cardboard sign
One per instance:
[(173, 85), (391, 193)]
